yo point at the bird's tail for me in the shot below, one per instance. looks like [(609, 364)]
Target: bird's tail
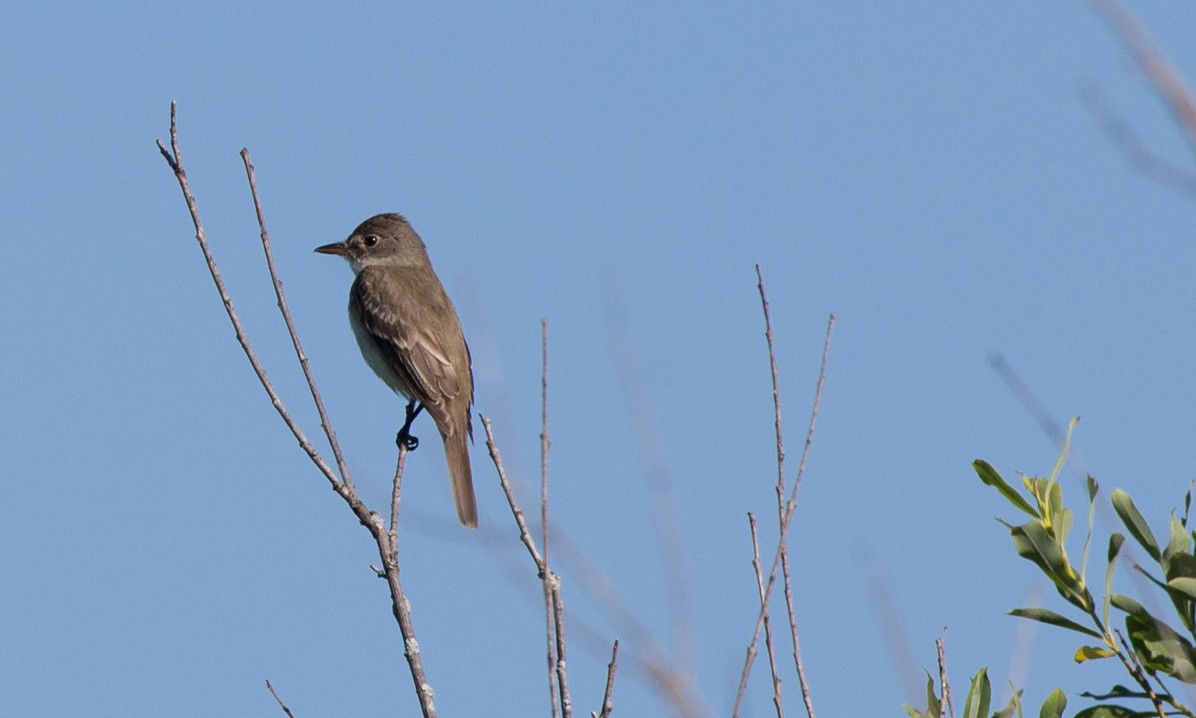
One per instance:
[(456, 451)]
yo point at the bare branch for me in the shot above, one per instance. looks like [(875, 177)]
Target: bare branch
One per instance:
[(174, 158), (554, 604), (556, 659), (782, 511), (396, 485), (786, 513), (495, 456), (607, 704), (281, 705), (946, 702), (286, 317), (544, 443), (387, 544), (772, 659)]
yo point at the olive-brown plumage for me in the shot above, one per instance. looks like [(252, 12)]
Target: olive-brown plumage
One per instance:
[(409, 334)]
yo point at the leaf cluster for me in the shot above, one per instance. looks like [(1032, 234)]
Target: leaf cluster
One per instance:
[(1154, 651)]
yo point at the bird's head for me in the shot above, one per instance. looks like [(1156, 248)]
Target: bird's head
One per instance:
[(382, 239)]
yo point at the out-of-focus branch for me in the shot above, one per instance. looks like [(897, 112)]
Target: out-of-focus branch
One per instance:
[(1153, 63), (1141, 157), (1167, 81), (658, 479)]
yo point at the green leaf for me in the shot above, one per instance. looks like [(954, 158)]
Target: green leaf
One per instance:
[(1062, 522), (1134, 523), (1092, 486), (1108, 711), (1092, 653), (1159, 648), (979, 696), (1181, 586), (1182, 566), (1116, 541), (1150, 578), (1184, 585), (1014, 708), (1033, 542), (1054, 705), (912, 713), (1178, 544), (932, 701), (990, 477), (1071, 425), (1048, 616), (1188, 501), (1118, 691), (1127, 604)]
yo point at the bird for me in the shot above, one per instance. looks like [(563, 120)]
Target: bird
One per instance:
[(410, 335)]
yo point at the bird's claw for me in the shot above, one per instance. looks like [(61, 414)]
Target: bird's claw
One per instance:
[(406, 441)]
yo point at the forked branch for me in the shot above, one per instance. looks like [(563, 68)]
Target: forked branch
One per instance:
[(385, 540)]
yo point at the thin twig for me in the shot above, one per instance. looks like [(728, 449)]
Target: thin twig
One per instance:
[(607, 704), (281, 705), (790, 508), (524, 535), (546, 576), (558, 625), (772, 659), (782, 511), (387, 548), (396, 485), (945, 703), (554, 604), (174, 158), (1135, 669), (776, 388), (286, 317), (544, 443)]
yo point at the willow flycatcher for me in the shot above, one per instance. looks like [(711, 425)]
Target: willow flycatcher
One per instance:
[(409, 334)]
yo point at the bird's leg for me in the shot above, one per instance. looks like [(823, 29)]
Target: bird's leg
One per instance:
[(405, 438)]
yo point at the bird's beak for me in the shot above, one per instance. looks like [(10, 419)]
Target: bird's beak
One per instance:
[(334, 248)]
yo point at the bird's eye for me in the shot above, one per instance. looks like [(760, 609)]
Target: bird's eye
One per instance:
[(370, 240)]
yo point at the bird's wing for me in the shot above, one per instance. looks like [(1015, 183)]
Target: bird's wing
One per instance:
[(398, 319)]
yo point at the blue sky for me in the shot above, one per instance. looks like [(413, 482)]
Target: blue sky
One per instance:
[(927, 172)]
